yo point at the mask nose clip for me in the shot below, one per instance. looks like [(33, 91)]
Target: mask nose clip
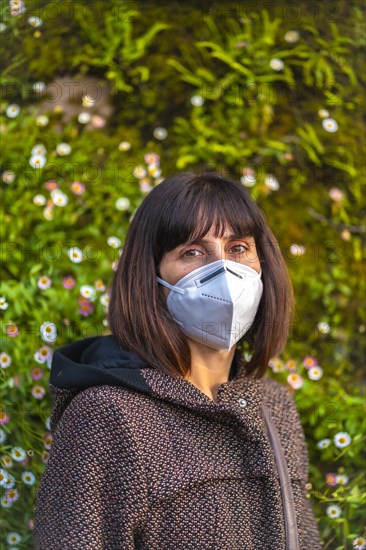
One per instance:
[(212, 275)]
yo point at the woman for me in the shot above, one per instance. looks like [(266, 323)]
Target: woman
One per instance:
[(166, 435)]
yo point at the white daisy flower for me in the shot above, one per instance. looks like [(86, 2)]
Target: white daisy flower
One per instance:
[(39, 200), (48, 331), (87, 101), (197, 100), (39, 87), (122, 203), (154, 170), (276, 365), (330, 125), (342, 439), (323, 327), (248, 180), (48, 423), (39, 149), (44, 282), (8, 176), (37, 161), (42, 120), (276, 64), (297, 249), (315, 373), (342, 479), (10, 481), (295, 380), (17, 7), (104, 299), (333, 511), (3, 477), (5, 360), (292, 36), (13, 110), (43, 354), (359, 543), (13, 538), (114, 242), (323, 443), (271, 182), (63, 149), (18, 454), (48, 212), (124, 146), (84, 117), (29, 478), (3, 303), (35, 21), (323, 113), (58, 197), (2, 27), (88, 291), (2, 435), (5, 503), (139, 172), (160, 133), (75, 254)]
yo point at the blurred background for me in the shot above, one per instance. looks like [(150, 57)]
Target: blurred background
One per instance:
[(100, 101)]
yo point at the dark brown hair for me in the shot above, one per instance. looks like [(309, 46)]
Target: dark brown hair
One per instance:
[(183, 208)]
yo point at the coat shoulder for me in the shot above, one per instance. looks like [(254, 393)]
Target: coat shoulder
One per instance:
[(280, 401), (274, 391)]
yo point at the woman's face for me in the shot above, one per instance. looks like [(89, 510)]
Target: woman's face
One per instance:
[(183, 259)]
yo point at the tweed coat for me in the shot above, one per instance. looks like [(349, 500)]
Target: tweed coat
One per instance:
[(142, 460)]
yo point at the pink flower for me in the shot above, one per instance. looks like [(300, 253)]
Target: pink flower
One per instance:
[(152, 158), (12, 330), (336, 194), (16, 380), (295, 380), (77, 188), (4, 418), (69, 282), (86, 307), (38, 391), (309, 362), (31, 523), (12, 495), (145, 187), (97, 121), (51, 185), (36, 373), (43, 354), (331, 479)]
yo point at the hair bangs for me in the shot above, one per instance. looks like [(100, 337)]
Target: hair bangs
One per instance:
[(204, 203)]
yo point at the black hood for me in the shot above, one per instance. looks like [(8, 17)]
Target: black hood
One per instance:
[(92, 361), (95, 361)]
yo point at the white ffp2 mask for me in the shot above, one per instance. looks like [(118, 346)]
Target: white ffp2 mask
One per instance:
[(216, 304)]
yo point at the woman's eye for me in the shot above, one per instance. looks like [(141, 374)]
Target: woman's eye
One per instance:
[(243, 248), (237, 249), (192, 250)]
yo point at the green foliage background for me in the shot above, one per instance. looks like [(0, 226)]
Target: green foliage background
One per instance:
[(148, 59)]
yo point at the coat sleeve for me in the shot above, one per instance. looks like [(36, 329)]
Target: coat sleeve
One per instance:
[(93, 493)]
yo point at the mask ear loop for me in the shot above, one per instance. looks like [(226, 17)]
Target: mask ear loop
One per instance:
[(172, 287)]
